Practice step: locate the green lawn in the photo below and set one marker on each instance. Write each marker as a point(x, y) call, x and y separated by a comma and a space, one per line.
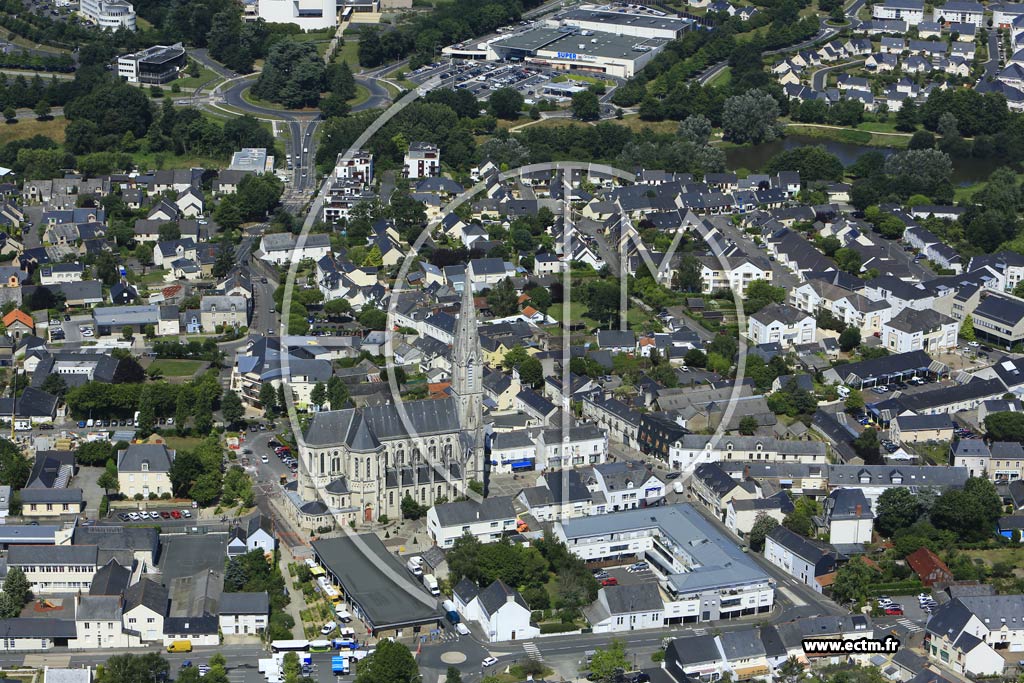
point(193, 82)
point(350, 53)
point(722, 78)
point(562, 78)
point(362, 94)
point(171, 367)
point(183, 443)
point(880, 127)
point(25, 129)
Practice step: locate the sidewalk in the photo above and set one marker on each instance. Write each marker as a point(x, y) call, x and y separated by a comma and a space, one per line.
point(298, 601)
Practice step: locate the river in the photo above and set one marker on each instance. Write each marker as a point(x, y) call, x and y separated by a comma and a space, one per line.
point(754, 157)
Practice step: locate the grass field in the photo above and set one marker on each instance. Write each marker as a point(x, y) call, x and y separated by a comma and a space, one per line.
point(193, 82)
point(990, 557)
point(22, 130)
point(172, 367)
point(850, 135)
point(350, 53)
point(362, 94)
point(182, 443)
point(580, 78)
point(722, 78)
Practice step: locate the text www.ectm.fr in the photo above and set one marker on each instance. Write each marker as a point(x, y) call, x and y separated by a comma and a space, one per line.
point(827, 646)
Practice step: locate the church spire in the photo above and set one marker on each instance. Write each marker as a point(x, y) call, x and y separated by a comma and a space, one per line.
point(467, 381)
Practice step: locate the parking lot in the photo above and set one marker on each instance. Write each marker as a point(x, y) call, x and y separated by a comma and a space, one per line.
point(155, 515)
point(625, 575)
point(72, 328)
point(481, 78)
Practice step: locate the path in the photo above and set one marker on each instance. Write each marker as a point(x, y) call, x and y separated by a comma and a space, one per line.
point(831, 127)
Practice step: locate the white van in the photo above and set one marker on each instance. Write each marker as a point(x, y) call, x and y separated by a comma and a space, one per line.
point(843, 392)
point(462, 629)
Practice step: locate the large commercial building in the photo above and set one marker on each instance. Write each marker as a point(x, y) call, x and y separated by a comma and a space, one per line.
point(308, 14)
point(112, 14)
point(627, 23)
point(567, 49)
point(703, 575)
point(158, 64)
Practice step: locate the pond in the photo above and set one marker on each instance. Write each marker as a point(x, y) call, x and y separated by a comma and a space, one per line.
point(753, 157)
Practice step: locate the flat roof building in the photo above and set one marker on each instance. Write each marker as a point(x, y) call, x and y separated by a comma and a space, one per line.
point(158, 64)
point(627, 24)
point(569, 49)
point(252, 159)
point(377, 585)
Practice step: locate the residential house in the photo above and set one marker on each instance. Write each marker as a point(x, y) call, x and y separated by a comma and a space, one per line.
point(801, 558)
point(487, 520)
point(847, 517)
point(144, 469)
point(500, 610)
point(781, 323)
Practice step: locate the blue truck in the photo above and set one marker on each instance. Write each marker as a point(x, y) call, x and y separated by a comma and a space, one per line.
point(339, 665)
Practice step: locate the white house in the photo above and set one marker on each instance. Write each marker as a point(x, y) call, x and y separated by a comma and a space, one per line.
point(423, 160)
point(799, 557)
point(847, 517)
point(500, 611)
point(733, 272)
point(627, 485)
point(910, 11)
point(912, 330)
point(626, 608)
point(486, 520)
point(741, 513)
point(964, 633)
point(145, 607)
point(243, 614)
point(281, 248)
point(782, 324)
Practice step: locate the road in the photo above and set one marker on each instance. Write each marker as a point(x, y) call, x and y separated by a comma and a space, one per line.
point(994, 50)
point(820, 78)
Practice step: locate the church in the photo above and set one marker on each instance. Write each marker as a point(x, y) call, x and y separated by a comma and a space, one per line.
point(357, 464)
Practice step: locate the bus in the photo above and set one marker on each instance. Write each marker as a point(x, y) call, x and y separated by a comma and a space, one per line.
point(320, 646)
point(289, 645)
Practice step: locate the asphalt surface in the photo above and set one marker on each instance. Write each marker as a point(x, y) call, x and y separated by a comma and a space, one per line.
point(992, 65)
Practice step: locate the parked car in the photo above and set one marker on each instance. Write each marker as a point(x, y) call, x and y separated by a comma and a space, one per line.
point(123, 517)
point(328, 628)
point(264, 458)
point(165, 514)
point(639, 566)
point(673, 475)
point(175, 514)
point(894, 610)
point(489, 661)
point(186, 513)
point(610, 581)
point(134, 516)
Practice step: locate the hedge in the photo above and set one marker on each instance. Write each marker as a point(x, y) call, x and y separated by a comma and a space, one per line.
point(558, 627)
point(900, 587)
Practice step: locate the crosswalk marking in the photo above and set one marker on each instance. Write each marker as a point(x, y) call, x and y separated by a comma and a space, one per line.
point(699, 631)
point(909, 625)
point(533, 652)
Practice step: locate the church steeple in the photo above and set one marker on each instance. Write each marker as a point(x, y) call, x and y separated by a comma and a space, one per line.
point(467, 379)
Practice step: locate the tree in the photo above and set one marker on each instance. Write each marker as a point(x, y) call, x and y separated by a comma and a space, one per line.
point(292, 75)
point(337, 392)
point(16, 593)
point(849, 260)
point(585, 106)
point(849, 339)
point(814, 163)
point(14, 467)
point(502, 299)
point(866, 446)
point(896, 509)
point(54, 384)
point(791, 671)
point(237, 486)
point(695, 129)
point(970, 512)
point(108, 480)
point(759, 294)
point(1005, 426)
point(206, 487)
point(505, 103)
point(799, 521)
point(42, 110)
point(411, 509)
point(319, 395)
point(688, 275)
point(750, 117)
point(268, 399)
point(748, 425)
point(967, 329)
point(231, 408)
point(10, 114)
point(855, 401)
point(606, 663)
point(390, 662)
point(133, 668)
point(94, 453)
point(854, 581)
point(452, 675)
point(531, 372)
point(763, 525)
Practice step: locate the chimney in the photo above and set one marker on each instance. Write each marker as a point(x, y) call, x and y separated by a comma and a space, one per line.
point(858, 509)
point(746, 471)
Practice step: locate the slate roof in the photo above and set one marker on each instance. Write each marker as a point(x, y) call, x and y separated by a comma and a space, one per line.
point(798, 545)
point(245, 603)
point(632, 598)
point(110, 579)
point(466, 590)
point(364, 429)
point(158, 457)
point(148, 593)
point(464, 512)
point(497, 594)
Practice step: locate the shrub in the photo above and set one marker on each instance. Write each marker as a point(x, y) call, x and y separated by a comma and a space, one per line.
point(166, 495)
point(104, 506)
point(383, 519)
point(153, 496)
point(558, 628)
point(138, 496)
